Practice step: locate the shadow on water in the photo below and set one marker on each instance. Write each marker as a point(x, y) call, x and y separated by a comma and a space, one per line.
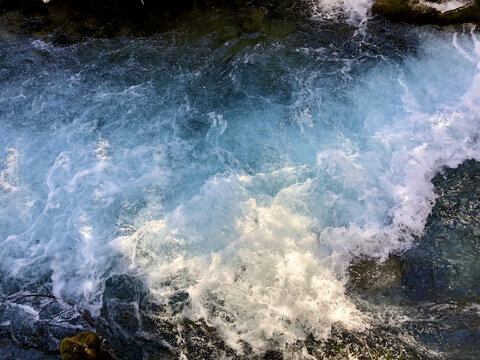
point(69, 21)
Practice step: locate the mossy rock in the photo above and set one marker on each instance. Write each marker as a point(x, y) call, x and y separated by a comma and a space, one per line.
point(84, 346)
point(426, 12)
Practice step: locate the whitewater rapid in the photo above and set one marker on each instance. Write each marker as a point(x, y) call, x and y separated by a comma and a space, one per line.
point(245, 173)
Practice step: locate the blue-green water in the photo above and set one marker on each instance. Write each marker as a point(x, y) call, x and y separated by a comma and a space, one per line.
point(240, 171)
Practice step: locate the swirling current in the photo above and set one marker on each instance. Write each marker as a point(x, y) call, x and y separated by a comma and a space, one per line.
point(228, 181)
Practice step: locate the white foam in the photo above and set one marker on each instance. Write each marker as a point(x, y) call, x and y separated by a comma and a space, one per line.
point(257, 212)
point(355, 12)
point(266, 282)
point(8, 176)
point(274, 268)
point(445, 6)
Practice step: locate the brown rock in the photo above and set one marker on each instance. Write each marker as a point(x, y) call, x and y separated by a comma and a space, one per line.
point(84, 346)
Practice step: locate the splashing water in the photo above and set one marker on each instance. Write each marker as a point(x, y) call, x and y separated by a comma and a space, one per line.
point(355, 12)
point(246, 173)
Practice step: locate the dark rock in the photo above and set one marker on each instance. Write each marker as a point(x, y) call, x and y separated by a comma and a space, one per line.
point(125, 315)
point(444, 263)
point(273, 355)
point(178, 301)
point(426, 12)
point(431, 291)
point(377, 344)
point(200, 341)
point(128, 322)
point(124, 288)
point(9, 350)
point(368, 274)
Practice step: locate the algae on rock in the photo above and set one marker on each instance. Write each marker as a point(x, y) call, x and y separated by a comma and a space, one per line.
point(84, 346)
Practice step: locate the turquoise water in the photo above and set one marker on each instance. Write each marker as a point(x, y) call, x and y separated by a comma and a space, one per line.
point(246, 172)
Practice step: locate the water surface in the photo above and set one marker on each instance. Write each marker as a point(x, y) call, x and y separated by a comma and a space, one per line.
point(235, 171)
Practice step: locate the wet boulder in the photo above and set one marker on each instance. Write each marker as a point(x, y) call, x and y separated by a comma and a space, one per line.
point(124, 288)
point(84, 346)
point(444, 264)
point(438, 12)
point(368, 274)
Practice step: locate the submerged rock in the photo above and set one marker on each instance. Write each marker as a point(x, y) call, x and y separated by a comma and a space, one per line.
point(429, 12)
point(10, 350)
point(376, 344)
point(444, 264)
point(371, 275)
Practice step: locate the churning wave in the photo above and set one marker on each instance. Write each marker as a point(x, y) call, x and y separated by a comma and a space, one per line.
point(244, 173)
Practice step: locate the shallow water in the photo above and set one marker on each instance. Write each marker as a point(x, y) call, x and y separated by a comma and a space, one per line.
point(241, 171)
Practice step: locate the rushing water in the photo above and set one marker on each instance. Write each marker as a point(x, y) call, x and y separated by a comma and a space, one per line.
point(239, 171)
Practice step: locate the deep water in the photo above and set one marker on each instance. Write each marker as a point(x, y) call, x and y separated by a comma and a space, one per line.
point(208, 191)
